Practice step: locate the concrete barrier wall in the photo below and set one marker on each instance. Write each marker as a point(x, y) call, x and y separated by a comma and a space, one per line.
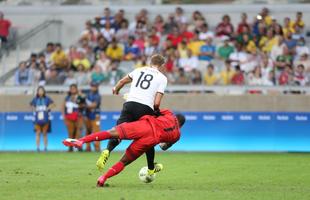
point(185, 102)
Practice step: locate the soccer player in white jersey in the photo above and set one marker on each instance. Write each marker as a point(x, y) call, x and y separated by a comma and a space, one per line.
point(146, 91)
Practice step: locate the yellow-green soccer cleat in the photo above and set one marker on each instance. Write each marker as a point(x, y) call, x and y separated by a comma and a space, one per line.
point(102, 160)
point(158, 167)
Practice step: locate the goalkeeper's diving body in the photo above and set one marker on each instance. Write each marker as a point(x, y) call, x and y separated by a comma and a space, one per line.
point(146, 133)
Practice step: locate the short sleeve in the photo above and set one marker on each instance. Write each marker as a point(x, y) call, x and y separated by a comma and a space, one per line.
point(33, 102)
point(131, 74)
point(162, 85)
point(49, 101)
point(98, 99)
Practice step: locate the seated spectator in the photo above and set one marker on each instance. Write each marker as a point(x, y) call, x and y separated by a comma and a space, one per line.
point(120, 19)
point(33, 61)
point(179, 16)
point(227, 74)
point(132, 51)
point(196, 78)
point(53, 78)
point(104, 62)
point(70, 79)
point(82, 76)
point(97, 75)
point(266, 18)
point(207, 51)
point(210, 77)
point(181, 77)
point(190, 62)
point(185, 33)
point(255, 78)
point(175, 37)
point(238, 77)
point(290, 43)
point(90, 33)
point(108, 31)
point(300, 77)
point(266, 67)
point(40, 76)
point(182, 49)
point(50, 47)
point(205, 33)
point(225, 28)
point(141, 61)
point(277, 49)
point(299, 21)
point(5, 25)
point(107, 17)
point(139, 28)
point(170, 64)
point(305, 61)
point(288, 26)
point(73, 54)
point(140, 41)
point(283, 60)
point(151, 46)
point(198, 21)
point(154, 37)
point(267, 42)
point(159, 24)
point(270, 81)
point(170, 24)
point(122, 34)
point(102, 46)
point(225, 50)
point(239, 57)
point(243, 24)
point(59, 57)
point(22, 75)
point(286, 77)
point(194, 45)
point(115, 74)
point(301, 48)
point(82, 60)
point(114, 51)
point(248, 44)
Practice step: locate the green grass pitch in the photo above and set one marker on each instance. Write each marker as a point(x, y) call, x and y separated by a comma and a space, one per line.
point(227, 176)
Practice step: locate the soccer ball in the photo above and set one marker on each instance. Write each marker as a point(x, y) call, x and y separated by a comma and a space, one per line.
point(144, 177)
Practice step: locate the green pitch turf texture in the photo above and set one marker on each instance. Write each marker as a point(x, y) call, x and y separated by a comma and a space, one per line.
point(227, 176)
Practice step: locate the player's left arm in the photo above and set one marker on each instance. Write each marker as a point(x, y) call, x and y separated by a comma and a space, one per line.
point(121, 83)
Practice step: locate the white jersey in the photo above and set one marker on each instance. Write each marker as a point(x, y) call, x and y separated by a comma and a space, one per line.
point(146, 82)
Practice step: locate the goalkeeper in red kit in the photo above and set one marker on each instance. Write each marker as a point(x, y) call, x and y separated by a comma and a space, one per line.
point(146, 133)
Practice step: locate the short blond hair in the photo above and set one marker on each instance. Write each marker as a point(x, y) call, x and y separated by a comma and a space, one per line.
point(158, 60)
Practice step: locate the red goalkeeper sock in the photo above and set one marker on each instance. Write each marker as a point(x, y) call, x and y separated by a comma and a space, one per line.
point(114, 170)
point(103, 135)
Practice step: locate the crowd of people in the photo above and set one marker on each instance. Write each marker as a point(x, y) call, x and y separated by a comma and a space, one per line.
point(262, 51)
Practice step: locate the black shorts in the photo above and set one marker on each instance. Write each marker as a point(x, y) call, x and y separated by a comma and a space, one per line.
point(132, 111)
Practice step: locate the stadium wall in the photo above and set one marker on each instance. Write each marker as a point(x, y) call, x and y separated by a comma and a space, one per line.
point(214, 123)
point(74, 17)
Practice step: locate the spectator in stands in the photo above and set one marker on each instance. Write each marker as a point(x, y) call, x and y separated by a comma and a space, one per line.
point(132, 51)
point(59, 58)
point(87, 49)
point(41, 105)
point(267, 42)
point(225, 50)
point(5, 25)
point(227, 74)
point(115, 74)
point(140, 28)
point(196, 78)
point(108, 31)
point(114, 51)
point(89, 33)
point(120, 19)
point(238, 77)
point(53, 77)
point(140, 41)
point(151, 46)
point(50, 47)
point(266, 67)
point(181, 77)
point(22, 75)
point(288, 26)
point(266, 18)
point(175, 37)
point(70, 79)
point(286, 77)
point(40, 78)
point(198, 21)
point(301, 48)
point(122, 34)
point(283, 60)
point(207, 51)
point(205, 33)
point(72, 112)
point(271, 79)
point(73, 54)
point(170, 24)
point(299, 21)
point(102, 45)
point(179, 16)
point(82, 76)
point(107, 17)
point(239, 57)
point(97, 75)
point(141, 61)
point(305, 61)
point(195, 44)
point(210, 77)
point(243, 24)
point(33, 61)
point(81, 60)
point(277, 49)
point(185, 33)
point(300, 77)
point(104, 62)
point(225, 27)
point(189, 62)
point(248, 44)
point(159, 24)
point(290, 42)
point(255, 77)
